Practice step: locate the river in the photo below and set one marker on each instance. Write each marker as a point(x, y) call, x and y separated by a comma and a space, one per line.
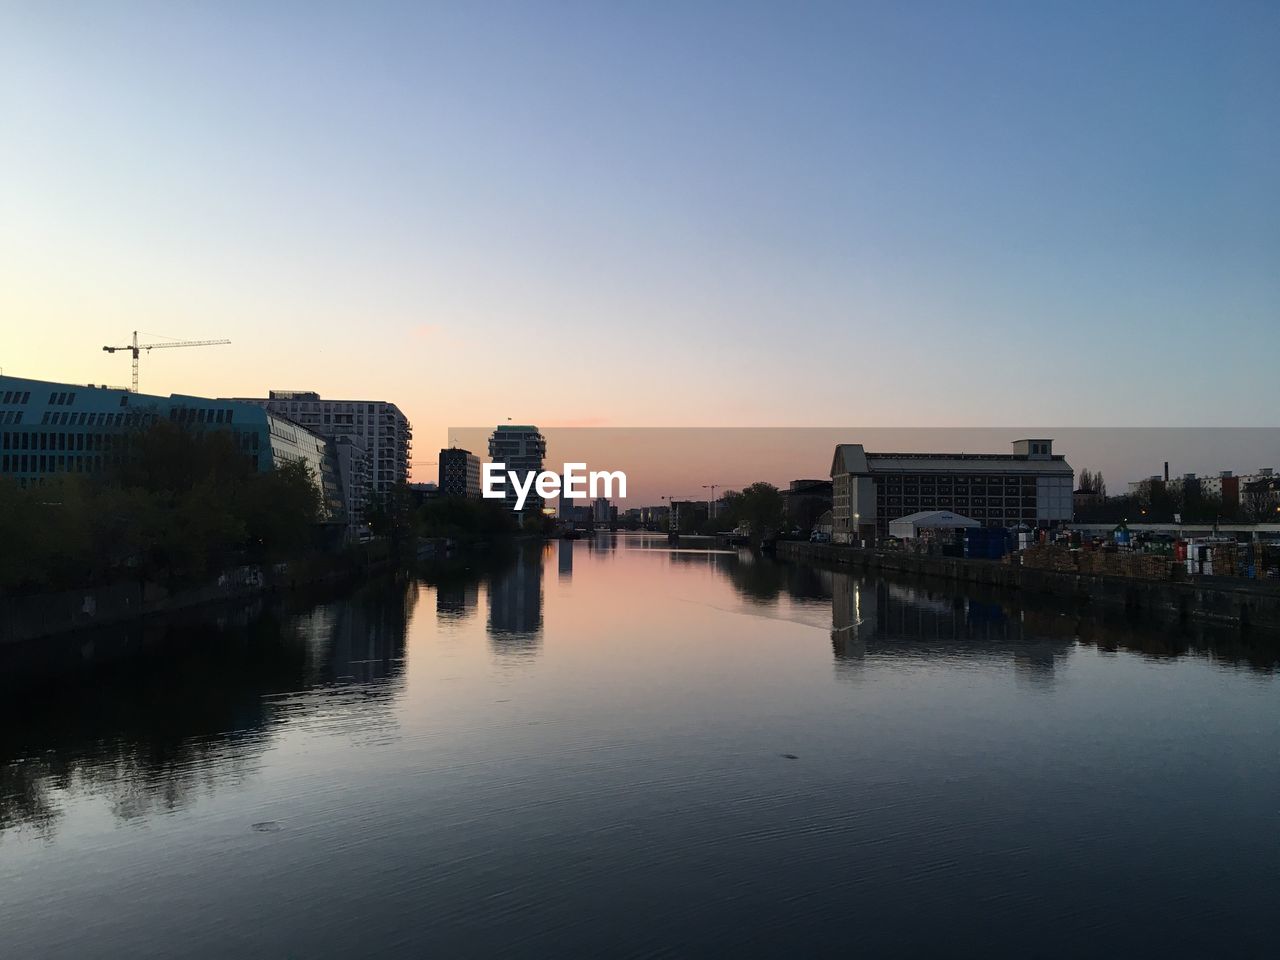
point(610, 748)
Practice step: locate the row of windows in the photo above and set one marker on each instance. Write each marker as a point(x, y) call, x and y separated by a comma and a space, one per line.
point(958, 481)
point(955, 503)
point(16, 396)
point(61, 399)
point(390, 423)
point(42, 440)
point(91, 419)
point(54, 463)
point(201, 415)
point(305, 405)
point(279, 429)
point(11, 416)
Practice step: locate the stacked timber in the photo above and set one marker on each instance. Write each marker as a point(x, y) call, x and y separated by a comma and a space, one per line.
point(1049, 556)
point(1225, 559)
point(1138, 566)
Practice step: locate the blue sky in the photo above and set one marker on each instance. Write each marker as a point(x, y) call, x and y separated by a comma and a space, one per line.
point(893, 214)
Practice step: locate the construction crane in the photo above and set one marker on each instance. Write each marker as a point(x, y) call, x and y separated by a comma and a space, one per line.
point(711, 504)
point(136, 349)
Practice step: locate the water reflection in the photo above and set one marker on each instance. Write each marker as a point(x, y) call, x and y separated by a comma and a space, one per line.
point(515, 603)
point(683, 744)
point(148, 734)
point(457, 598)
point(915, 617)
point(912, 615)
point(887, 618)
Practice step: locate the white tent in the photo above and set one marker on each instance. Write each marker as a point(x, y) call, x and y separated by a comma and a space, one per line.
point(908, 528)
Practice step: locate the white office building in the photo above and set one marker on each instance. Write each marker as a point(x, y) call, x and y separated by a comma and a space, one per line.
point(381, 430)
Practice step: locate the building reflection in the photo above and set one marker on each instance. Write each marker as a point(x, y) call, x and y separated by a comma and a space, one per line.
point(367, 642)
point(757, 578)
point(515, 603)
point(456, 600)
point(764, 579)
point(875, 615)
point(148, 733)
point(564, 559)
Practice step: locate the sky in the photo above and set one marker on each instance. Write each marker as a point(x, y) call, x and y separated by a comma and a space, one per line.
point(653, 214)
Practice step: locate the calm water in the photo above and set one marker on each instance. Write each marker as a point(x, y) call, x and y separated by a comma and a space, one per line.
point(609, 748)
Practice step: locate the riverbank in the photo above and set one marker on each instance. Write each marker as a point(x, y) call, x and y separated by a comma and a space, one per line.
point(35, 616)
point(1247, 604)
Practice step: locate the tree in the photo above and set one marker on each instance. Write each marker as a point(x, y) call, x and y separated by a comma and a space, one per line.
point(1091, 482)
point(280, 510)
point(1263, 504)
point(179, 507)
point(759, 507)
point(466, 520)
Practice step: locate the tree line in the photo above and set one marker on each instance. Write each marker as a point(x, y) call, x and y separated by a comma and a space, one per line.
point(180, 507)
point(1155, 501)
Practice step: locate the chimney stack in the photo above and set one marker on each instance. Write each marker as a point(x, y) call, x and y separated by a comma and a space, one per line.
point(1166, 471)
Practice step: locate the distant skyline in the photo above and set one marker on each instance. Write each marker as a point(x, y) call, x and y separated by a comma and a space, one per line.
point(683, 462)
point(634, 214)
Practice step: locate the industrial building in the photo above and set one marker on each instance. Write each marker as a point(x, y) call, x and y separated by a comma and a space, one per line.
point(459, 473)
point(521, 449)
point(379, 427)
point(49, 430)
point(1031, 486)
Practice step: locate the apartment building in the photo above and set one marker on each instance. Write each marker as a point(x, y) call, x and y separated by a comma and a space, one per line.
point(378, 426)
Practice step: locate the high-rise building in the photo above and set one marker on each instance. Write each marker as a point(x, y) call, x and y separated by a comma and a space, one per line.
point(459, 473)
point(377, 425)
point(48, 430)
point(521, 450)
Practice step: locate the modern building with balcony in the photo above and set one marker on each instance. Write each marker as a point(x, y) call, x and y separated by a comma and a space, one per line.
point(521, 449)
point(1031, 486)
